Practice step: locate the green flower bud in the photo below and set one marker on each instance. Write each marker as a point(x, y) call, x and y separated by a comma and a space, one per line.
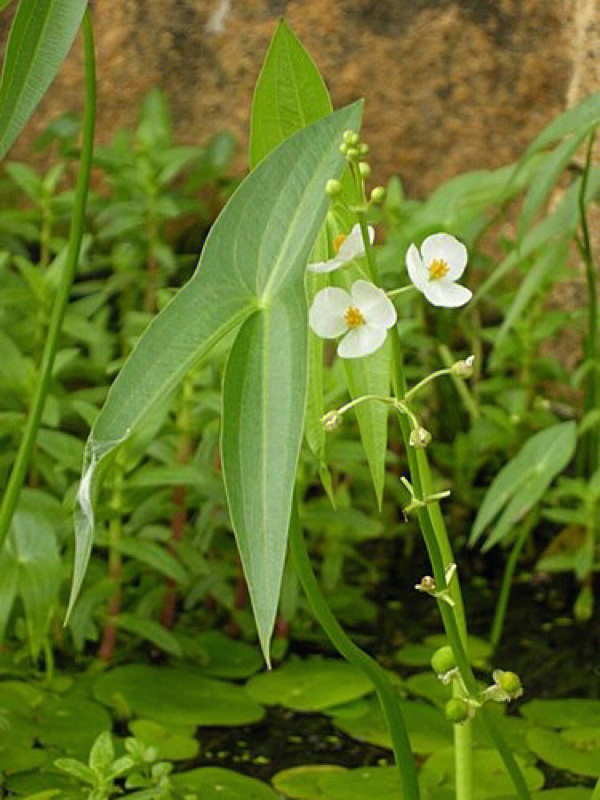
point(331, 420)
point(364, 169)
point(509, 682)
point(457, 710)
point(443, 660)
point(351, 138)
point(352, 153)
point(378, 195)
point(363, 149)
point(333, 187)
point(343, 148)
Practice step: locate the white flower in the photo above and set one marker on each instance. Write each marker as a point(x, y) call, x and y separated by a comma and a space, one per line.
point(346, 249)
point(435, 269)
point(364, 315)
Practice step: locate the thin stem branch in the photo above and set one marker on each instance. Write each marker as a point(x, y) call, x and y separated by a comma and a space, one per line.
point(440, 554)
point(509, 571)
point(21, 464)
point(386, 693)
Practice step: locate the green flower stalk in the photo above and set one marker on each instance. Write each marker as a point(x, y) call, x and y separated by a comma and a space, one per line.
point(19, 470)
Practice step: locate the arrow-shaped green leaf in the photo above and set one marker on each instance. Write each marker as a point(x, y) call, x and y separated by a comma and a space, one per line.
point(252, 272)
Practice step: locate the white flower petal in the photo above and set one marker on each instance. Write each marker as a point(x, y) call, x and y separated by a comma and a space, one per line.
point(353, 245)
point(445, 293)
point(361, 341)
point(446, 248)
point(326, 315)
point(325, 266)
point(417, 271)
point(374, 304)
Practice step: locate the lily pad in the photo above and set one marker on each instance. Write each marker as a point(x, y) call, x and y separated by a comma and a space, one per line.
point(227, 658)
point(570, 713)
point(172, 743)
point(45, 780)
point(513, 729)
point(176, 696)
point(364, 783)
point(16, 757)
point(580, 754)
point(430, 687)
point(302, 783)
point(428, 730)
point(310, 685)
point(214, 783)
point(71, 724)
point(490, 778)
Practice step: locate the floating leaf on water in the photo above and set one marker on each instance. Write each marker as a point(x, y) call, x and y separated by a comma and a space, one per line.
point(214, 783)
point(72, 724)
point(172, 743)
point(228, 658)
point(571, 713)
point(427, 685)
point(364, 783)
point(177, 696)
point(427, 729)
point(580, 755)
point(302, 783)
point(490, 778)
point(17, 757)
point(36, 784)
point(310, 685)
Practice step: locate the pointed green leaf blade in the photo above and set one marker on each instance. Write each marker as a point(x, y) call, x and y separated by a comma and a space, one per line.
point(41, 35)
point(290, 94)
point(523, 481)
point(263, 412)
point(371, 376)
point(256, 252)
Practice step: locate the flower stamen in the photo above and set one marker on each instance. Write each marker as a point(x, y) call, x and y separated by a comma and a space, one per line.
point(438, 269)
point(338, 242)
point(353, 317)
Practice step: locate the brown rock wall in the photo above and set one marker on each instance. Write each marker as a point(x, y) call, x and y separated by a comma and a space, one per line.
point(450, 84)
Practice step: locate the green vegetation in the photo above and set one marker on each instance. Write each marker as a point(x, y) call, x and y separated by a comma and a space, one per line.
point(198, 480)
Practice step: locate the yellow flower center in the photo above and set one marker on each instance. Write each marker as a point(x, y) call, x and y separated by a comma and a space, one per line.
point(438, 269)
point(338, 242)
point(353, 317)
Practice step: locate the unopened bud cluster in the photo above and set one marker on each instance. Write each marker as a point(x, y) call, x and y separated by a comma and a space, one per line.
point(356, 152)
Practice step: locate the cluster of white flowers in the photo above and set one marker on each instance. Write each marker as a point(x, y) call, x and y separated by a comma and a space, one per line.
point(363, 315)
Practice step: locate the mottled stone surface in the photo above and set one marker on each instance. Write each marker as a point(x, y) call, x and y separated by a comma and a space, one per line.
point(450, 84)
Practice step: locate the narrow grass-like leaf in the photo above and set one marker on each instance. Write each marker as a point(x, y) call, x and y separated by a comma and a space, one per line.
point(561, 224)
point(546, 178)
point(584, 115)
point(545, 266)
point(522, 482)
point(41, 35)
point(290, 94)
point(251, 269)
